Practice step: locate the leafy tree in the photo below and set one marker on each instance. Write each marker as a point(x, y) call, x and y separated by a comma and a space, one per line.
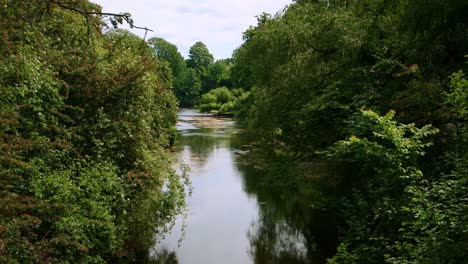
point(168, 52)
point(188, 88)
point(302, 56)
point(217, 76)
point(422, 221)
point(87, 117)
point(387, 154)
point(200, 58)
point(241, 73)
point(311, 68)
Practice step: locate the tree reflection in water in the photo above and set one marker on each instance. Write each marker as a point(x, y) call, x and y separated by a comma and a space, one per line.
point(296, 223)
point(250, 206)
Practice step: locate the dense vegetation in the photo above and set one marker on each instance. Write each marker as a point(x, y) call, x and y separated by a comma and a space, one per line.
point(87, 115)
point(223, 101)
point(381, 85)
point(197, 75)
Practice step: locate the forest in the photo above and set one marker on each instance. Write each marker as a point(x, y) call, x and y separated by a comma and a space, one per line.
point(88, 115)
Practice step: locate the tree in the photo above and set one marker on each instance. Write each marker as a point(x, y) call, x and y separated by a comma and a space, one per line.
point(217, 76)
point(167, 51)
point(302, 55)
point(188, 88)
point(87, 117)
point(200, 58)
point(312, 68)
point(241, 73)
point(385, 154)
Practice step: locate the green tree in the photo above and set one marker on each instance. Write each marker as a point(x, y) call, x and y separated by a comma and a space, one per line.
point(200, 58)
point(241, 73)
point(168, 52)
point(311, 68)
point(87, 118)
point(303, 56)
point(188, 88)
point(386, 155)
point(457, 97)
point(217, 76)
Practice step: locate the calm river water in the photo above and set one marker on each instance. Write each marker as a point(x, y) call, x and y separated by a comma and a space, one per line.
point(246, 208)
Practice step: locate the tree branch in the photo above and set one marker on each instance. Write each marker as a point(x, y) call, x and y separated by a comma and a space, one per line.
point(86, 14)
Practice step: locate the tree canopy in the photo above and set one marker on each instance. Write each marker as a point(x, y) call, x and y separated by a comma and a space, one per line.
point(87, 117)
point(166, 51)
point(379, 85)
point(200, 58)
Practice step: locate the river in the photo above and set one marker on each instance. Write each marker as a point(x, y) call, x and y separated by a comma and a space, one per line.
point(246, 208)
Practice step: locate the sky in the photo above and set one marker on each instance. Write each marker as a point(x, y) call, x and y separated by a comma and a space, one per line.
point(217, 23)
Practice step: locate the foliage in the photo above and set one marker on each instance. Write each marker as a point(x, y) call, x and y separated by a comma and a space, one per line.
point(296, 59)
point(168, 52)
point(402, 215)
point(200, 58)
point(333, 59)
point(223, 101)
point(87, 117)
point(195, 76)
point(85, 201)
point(458, 94)
point(188, 88)
point(387, 154)
point(220, 100)
point(309, 71)
point(217, 76)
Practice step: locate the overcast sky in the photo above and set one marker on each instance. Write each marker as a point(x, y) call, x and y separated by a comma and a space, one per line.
point(217, 23)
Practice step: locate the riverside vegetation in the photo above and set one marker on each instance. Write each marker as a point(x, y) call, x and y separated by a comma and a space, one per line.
point(87, 115)
point(379, 85)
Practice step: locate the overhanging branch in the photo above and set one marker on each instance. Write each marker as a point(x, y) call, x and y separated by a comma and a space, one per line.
point(119, 17)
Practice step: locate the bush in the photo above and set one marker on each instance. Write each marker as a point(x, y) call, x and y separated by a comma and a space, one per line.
point(220, 100)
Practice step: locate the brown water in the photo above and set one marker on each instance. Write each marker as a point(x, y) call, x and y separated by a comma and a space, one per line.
point(245, 207)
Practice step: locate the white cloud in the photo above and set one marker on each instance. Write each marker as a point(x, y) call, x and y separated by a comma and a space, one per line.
point(217, 23)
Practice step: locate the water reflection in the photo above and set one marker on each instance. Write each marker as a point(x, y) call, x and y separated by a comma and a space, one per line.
point(247, 207)
point(294, 225)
